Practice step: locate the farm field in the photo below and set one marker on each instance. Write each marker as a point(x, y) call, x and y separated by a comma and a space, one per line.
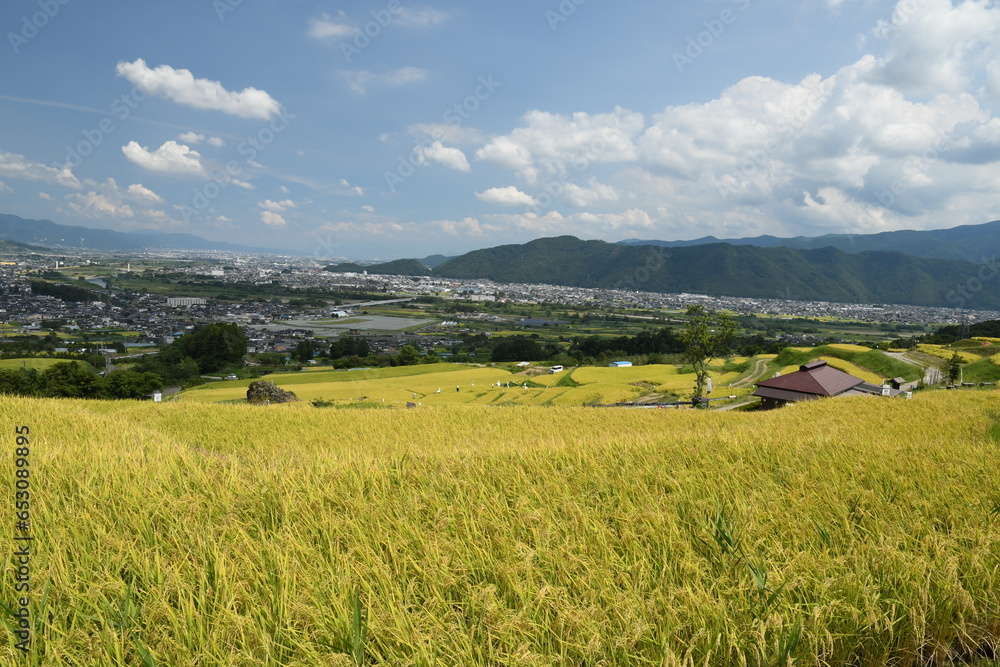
point(37, 363)
point(574, 386)
point(843, 531)
point(470, 384)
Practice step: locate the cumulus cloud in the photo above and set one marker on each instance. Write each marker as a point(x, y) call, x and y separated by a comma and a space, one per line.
point(450, 157)
point(276, 206)
point(217, 142)
point(272, 219)
point(170, 158)
point(107, 200)
point(13, 165)
point(96, 205)
point(144, 194)
point(180, 86)
point(902, 140)
point(191, 137)
point(507, 196)
point(552, 143)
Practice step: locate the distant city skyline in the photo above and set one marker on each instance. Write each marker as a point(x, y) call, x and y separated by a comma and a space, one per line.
point(389, 129)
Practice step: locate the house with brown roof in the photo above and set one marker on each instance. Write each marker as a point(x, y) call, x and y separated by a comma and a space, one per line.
point(813, 380)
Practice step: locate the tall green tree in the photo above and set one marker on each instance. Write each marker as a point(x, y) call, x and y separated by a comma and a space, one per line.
point(954, 368)
point(705, 338)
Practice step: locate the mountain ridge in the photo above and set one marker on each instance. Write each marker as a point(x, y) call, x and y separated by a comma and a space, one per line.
point(970, 243)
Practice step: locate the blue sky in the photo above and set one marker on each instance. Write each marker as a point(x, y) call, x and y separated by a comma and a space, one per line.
point(393, 129)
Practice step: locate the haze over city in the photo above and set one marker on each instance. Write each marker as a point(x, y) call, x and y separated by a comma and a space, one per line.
point(394, 129)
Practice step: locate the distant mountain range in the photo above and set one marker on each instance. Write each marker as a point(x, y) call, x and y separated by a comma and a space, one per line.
point(51, 234)
point(971, 243)
point(949, 267)
point(721, 269)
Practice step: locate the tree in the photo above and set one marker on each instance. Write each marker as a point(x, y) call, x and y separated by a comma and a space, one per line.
point(702, 343)
point(408, 356)
point(954, 368)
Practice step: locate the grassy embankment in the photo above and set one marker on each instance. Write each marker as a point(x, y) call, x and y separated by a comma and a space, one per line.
point(848, 531)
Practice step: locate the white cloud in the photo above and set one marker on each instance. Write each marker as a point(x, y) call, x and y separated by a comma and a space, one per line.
point(450, 157)
point(170, 158)
point(360, 81)
point(107, 200)
point(95, 205)
point(351, 189)
point(423, 17)
point(45, 195)
point(191, 137)
point(869, 148)
point(324, 27)
point(936, 47)
point(243, 184)
point(13, 165)
point(368, 209)
point(507, 196)
point(144, 194)
point(276, 206)
point(217, 142)
point(552, 143)
point(283, 190)
point(272, 219)
point(180, 86)
point(6, 188)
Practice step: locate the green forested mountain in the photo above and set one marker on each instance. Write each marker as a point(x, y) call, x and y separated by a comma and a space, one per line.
point(824, 274)
point(966, 242)
point(397, 267)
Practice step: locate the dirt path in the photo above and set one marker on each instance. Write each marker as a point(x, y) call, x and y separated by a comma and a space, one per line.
point(758, 369)
point(932, 374)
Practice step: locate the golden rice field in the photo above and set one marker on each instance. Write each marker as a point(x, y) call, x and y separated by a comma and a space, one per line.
point(855, 531)
point(946, 353)
point(469, 384)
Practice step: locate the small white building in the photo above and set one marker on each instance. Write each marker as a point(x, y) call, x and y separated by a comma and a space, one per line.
point(620, 364)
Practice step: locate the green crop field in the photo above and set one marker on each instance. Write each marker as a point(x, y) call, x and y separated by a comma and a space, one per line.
point(31, 362)
point(854, 531)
